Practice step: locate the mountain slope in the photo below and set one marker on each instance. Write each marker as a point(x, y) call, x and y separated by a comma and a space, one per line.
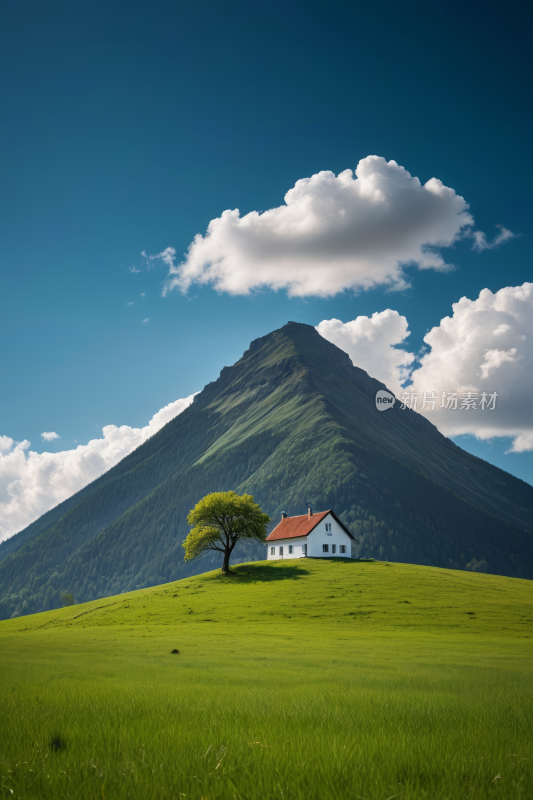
point(293, 420)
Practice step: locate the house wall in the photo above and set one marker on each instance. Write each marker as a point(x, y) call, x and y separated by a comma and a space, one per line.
point(315, 541)
point(319, 536)
point(297, 549)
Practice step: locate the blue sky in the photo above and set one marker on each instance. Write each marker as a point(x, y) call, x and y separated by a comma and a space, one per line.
point(131, 125)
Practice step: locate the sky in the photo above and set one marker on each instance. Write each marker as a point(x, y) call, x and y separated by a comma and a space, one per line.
point(180, 178)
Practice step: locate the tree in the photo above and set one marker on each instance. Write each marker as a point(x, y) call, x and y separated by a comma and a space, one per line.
point(220, 520)
point(68, 599)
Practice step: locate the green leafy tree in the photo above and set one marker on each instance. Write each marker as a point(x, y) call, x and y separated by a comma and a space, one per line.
point(68, 599)
point(222, 519)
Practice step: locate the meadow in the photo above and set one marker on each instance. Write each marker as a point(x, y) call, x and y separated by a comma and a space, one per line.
point(294, 679)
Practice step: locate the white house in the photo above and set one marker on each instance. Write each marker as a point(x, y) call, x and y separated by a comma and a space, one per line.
point(320, 535)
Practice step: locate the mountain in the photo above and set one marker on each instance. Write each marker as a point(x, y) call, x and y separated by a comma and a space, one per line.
point(293, 420)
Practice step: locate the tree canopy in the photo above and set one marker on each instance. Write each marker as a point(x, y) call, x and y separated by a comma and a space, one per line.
point(220, 520)
point(68, 599)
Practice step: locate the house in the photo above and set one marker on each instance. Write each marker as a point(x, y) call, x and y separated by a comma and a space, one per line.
point(319, 535)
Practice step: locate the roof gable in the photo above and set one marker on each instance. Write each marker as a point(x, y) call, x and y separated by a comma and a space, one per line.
point(294, 527)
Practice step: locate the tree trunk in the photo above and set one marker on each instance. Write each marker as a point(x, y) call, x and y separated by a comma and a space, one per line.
point(225, 565)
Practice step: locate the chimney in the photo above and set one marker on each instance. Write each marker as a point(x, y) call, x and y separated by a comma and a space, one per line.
point(309, 511)
point(283, 515)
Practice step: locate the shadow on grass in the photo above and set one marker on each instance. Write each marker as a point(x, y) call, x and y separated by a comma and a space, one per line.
point(279, 570)
point(285, 570)
point(249, 573)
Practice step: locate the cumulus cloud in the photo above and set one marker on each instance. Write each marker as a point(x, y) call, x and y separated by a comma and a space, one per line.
point(370, 343)
point(47, 437)
point(129, 304)
point(134, 269)
point(146, 320)
point(6, 444)
point(32, 483)
point(481, 243)
point(486, 345)
point(522, 443)
point(333, 233)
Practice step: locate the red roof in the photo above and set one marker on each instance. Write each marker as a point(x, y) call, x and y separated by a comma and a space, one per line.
point(292, 527)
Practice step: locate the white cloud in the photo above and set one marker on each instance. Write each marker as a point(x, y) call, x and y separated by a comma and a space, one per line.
point(146, 320)
point(47, 437)
point(6, 444)
point(134, 270)
point(333, 233)
point(481, 243)
point(486, 345)
point(166, 256)
point(143, 294)
point(369, 341)
point(129, 304)
point(522, 443)
point(32, 483)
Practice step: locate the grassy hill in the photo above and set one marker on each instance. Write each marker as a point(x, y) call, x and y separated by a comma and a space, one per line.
point(293, 420)
point(364, 594)
point(299, 679)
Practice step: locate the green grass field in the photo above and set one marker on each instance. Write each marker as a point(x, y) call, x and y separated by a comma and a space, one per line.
point(294, 679)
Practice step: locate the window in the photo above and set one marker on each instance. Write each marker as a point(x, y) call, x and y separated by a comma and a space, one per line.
point(304, 549)
point(281, 551)
point(325, 548)
point(333, 548)
point(290, 549)
point(272, 551)
point(328, 527)
point(342, 548)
